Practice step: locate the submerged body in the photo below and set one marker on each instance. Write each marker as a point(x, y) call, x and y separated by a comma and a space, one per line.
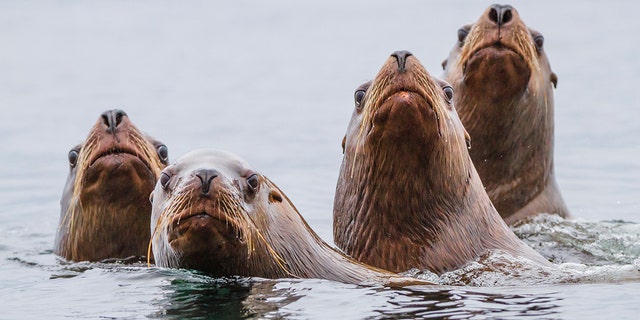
point(212, 212)
point(105, 208)
point(408, 195)
point(504, 95)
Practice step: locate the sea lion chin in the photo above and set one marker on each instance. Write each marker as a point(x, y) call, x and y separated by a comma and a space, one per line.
point(408, 195)
point(504, 95)
point(104, 207)
point(213, 213)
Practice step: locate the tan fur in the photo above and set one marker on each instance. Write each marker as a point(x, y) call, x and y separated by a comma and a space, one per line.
point(94, 226)
point(408, 195)
point(504, 95)
point(264, 234)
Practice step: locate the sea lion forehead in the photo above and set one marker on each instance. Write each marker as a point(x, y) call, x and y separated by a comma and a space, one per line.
point(224, 162)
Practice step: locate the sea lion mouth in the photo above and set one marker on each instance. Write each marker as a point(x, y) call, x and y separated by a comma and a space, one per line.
point(411, 100)
point(120, 152)
point(202, 224)
point(402, 91)
point(496, 50)
point(497, 71)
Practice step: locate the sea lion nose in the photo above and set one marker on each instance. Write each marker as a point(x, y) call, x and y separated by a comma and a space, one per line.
point(401, 58)
point(113, 118)
point(500, 14)
point(206, 176)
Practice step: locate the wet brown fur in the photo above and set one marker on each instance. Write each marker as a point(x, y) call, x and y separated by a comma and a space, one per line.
point(105, 211)
point(408, 195)
point(504, 95)
point(232, 231)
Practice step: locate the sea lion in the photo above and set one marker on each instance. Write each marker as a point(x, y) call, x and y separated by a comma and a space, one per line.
point(504, 95)
point(105, 208)
point(213, 213)
point(408, 195)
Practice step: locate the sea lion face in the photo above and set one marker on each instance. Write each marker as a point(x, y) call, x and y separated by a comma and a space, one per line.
point(208, 209)
point(402, 108)
point(499, 57)
point(116, 159)
point(103, 203)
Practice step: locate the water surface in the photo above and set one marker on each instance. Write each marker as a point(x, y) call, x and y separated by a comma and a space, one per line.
point(273, 82)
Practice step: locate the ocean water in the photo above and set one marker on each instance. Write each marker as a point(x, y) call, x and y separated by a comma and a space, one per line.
point(273, 82)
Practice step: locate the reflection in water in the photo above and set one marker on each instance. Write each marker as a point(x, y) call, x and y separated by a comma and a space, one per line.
point(459, 304)
point(199, 297)
point(224, 298)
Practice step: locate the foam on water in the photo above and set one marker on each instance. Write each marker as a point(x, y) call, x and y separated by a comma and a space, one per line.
point(581, 241)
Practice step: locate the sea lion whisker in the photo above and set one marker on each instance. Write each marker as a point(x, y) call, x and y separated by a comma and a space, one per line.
point(145, 150)
point(280, 262)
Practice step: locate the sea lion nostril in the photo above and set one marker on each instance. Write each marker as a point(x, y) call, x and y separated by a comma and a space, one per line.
point(206, 176)
point(506, 15)
point(113, 118)
point(401, 58)
point(500, 14)
point(118, 115)
point(493, 15)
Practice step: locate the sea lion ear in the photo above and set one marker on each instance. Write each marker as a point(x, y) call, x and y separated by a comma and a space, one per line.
point(467, 139)
point(444, 64)
point(275, 196)
point(554, 80)
point(344, 141)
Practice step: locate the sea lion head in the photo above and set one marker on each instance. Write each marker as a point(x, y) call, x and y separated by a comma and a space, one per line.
point(405, 169)
point(104, 209)
point(504, 95)
point(402, 108)
point(500, 58)
point(212, 212)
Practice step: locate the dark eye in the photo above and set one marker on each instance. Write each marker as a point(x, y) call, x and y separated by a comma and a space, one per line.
point(462, 34)
point(253, 182)
point(164, 180)
point(358, 96)
point(539, 40)
point(163, 153)
point(448, 93)
point(73, 158)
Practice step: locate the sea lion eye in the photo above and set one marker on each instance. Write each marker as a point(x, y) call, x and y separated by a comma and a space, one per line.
point(462, 34)
point(163, 153)
point(358, 96)
point(539, 40)
point(253, 182)
point(164, 180)
point(448, 93)
point(73, 158)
